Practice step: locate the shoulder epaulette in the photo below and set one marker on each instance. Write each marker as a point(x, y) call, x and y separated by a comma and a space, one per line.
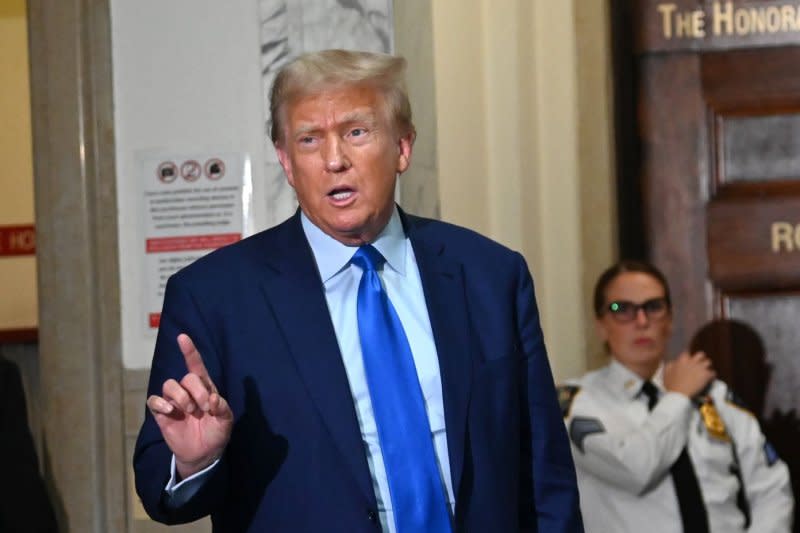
point(734, 399)
point(581, 427)
point(566, 393)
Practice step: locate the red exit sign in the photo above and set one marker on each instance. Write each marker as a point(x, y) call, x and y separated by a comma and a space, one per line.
point(17, 240)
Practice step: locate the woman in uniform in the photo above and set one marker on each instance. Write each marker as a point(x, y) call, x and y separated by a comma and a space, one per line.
point(660, 446)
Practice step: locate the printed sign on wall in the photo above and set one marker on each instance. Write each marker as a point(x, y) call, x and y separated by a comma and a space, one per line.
point(193, 204)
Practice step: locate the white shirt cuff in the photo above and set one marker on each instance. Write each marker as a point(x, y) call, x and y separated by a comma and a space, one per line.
point(181, 492)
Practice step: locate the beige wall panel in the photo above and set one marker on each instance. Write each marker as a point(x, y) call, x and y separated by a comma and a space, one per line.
point(524, 134)
point(596, 161)
point(460, 112)
point(17, 274)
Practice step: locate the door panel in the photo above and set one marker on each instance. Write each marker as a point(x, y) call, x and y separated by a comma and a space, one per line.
point(760, 148)
point(774, 317)
point(719, 135)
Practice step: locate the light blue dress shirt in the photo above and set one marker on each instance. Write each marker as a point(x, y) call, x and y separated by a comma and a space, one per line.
point(400, 276)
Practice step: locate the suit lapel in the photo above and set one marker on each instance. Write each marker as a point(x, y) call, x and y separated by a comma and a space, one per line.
point(295, 292)
point(443, 284)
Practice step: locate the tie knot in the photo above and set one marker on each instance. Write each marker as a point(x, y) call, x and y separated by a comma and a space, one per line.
point(651, 391)
point(368, 258)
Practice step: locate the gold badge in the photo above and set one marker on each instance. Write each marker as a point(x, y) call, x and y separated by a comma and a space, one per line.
point(713, 422)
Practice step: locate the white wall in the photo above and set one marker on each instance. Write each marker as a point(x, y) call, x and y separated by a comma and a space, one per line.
point(186, 78)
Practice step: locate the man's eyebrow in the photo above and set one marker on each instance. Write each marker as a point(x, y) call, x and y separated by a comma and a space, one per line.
point(356, 115)
point(304, 129)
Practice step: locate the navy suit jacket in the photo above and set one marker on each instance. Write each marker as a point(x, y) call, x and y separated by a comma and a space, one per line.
point(296, 462)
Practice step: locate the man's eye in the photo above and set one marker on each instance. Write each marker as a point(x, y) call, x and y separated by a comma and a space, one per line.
point(306, 140)
point(358, 132)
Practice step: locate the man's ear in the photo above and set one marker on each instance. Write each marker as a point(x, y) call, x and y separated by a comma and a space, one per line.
point(405, 146)
point(286, 162)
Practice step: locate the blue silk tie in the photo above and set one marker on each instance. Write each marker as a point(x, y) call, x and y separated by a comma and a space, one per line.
point(414, 483)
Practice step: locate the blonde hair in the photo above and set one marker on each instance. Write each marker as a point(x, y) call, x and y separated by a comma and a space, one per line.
point(316, 72)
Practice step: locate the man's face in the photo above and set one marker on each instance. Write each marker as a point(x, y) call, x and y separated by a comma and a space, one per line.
point(641, 343)
point(342, 155)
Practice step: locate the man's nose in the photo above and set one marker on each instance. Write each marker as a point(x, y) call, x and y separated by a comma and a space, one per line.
point(335, 155)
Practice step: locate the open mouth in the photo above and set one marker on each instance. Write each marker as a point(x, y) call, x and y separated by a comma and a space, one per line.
point(341, 194)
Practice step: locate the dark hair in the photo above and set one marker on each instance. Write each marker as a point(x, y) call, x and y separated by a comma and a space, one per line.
point(626, 265)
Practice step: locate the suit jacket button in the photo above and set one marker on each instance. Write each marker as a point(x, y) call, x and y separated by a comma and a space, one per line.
point(372, 516)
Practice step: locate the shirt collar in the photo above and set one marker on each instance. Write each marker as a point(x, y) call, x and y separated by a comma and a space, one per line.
point(332, 256)
point(628, 382)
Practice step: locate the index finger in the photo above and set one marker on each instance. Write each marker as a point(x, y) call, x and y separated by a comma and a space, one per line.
point(194, 361)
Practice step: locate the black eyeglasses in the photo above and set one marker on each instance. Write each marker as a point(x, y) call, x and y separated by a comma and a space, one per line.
point(625, 311)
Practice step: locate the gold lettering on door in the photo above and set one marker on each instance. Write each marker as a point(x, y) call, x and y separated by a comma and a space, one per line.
point(687, 24)
point(785, 237)
point(728, 18)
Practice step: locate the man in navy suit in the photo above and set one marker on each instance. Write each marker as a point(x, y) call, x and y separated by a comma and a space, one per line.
point(272, 428)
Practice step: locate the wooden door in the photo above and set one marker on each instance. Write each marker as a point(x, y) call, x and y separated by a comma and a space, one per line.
point(718, 120)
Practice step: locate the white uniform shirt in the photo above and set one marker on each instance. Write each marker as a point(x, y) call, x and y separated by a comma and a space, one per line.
point(623, 454)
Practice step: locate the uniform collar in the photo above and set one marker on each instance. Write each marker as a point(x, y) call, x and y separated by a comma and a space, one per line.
point(629, 383)
point(332, 256)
